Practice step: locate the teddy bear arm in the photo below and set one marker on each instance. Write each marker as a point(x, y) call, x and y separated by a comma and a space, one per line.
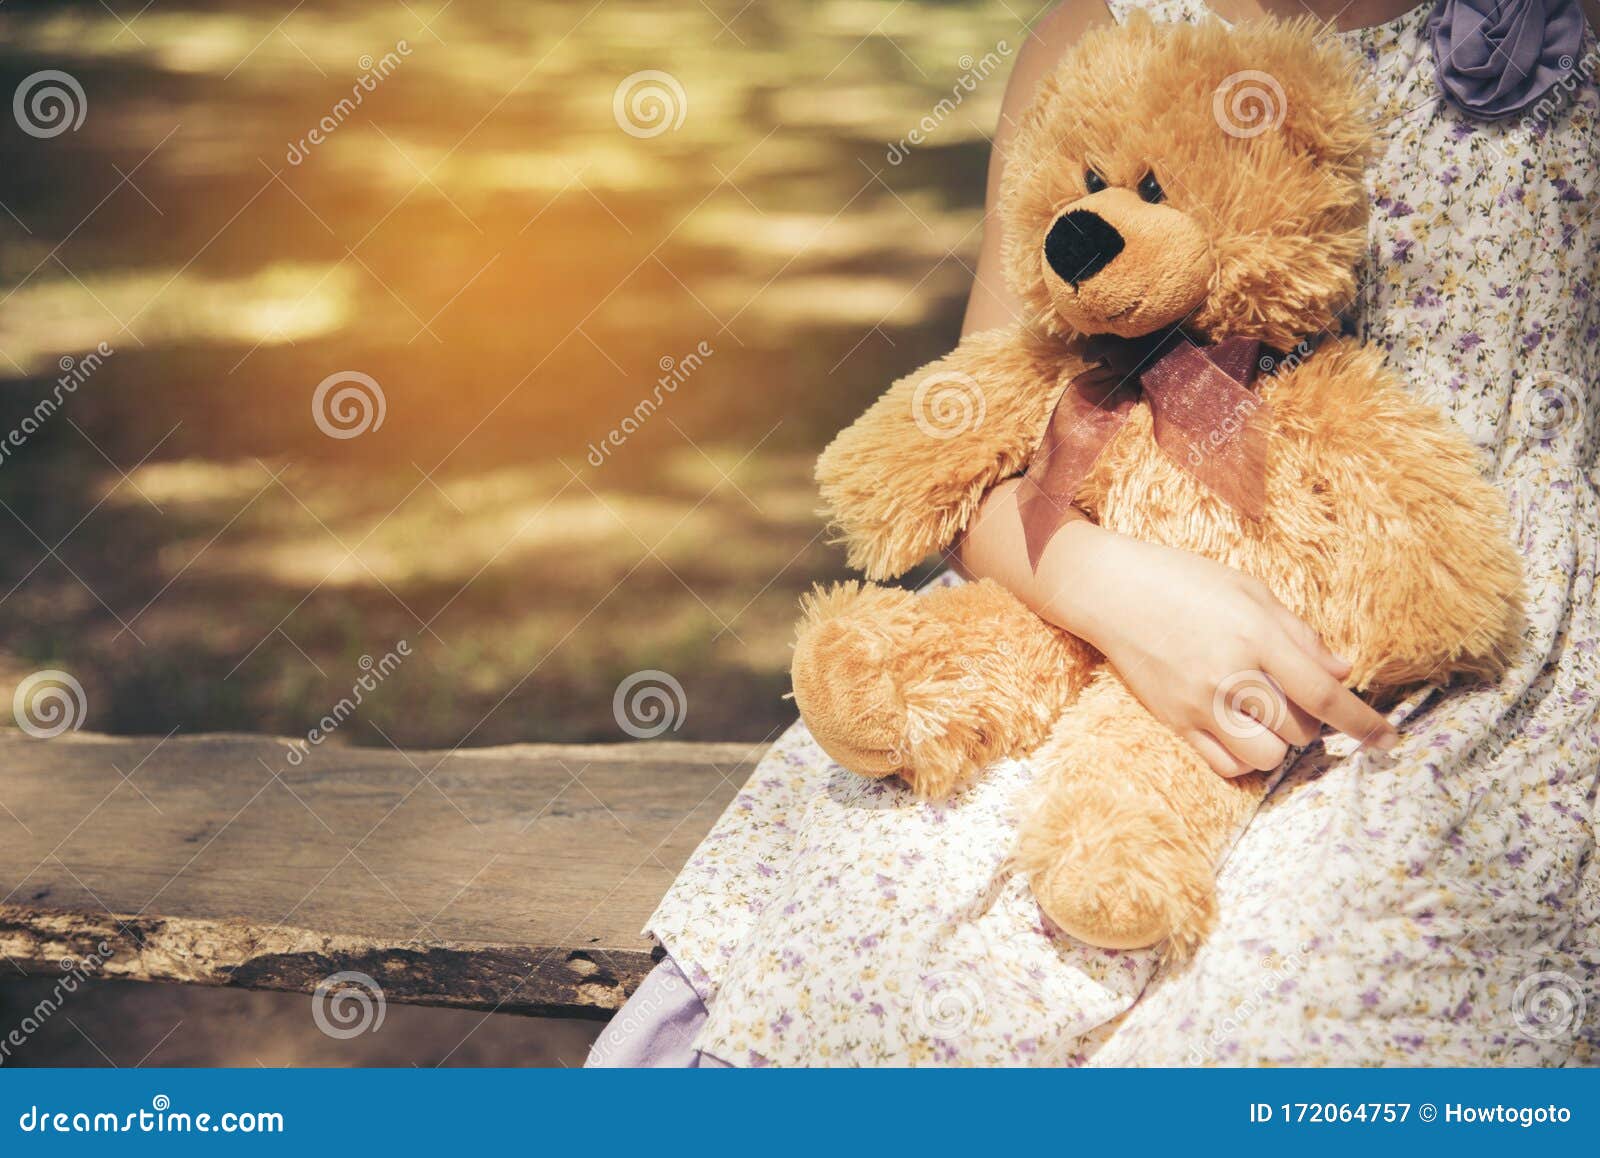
point(932, 687)
point(903, 480)
point(1426, 583)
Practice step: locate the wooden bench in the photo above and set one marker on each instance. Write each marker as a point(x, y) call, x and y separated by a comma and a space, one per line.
point(513, 879)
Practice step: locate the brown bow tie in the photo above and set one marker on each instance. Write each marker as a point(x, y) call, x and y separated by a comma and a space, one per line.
point(1205, 416)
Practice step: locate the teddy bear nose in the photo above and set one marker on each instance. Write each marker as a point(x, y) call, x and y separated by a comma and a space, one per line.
point(1080, 244)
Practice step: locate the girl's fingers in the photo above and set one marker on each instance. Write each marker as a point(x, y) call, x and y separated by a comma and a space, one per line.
point(1311, 643)
point(1297, 726)
point(1249, 710)
point(1251, 743)
point(1222, 761)
point(1308, 684)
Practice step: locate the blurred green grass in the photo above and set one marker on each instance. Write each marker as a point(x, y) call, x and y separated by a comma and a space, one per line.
point(482, 239)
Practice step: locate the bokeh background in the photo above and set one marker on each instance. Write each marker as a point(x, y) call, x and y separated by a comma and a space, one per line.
point(536, 212)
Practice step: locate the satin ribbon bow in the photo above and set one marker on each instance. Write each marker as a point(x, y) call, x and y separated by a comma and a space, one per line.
point(1206, 419)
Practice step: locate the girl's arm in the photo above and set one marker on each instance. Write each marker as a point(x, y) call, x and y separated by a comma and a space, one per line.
point(1174, 625)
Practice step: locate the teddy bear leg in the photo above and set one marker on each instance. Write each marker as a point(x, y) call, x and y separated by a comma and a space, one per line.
point(930, 687)
point(1123, 840)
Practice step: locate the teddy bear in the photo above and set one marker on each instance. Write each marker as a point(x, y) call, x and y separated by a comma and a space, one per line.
point(1184, 212)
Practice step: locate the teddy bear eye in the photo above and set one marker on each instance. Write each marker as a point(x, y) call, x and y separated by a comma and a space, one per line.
point(1150, 189)
point(1092, 181)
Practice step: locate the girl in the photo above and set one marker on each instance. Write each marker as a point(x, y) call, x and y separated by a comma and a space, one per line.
point(1431, 899)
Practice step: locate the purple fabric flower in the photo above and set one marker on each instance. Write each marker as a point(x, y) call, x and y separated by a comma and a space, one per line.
point(1496, 58)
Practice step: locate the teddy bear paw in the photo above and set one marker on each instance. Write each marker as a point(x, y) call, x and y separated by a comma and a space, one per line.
point(842, 681)
point(884, 682)
point(1116, 870)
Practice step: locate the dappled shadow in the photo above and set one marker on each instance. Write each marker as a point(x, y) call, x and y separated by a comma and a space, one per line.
point(517, 272)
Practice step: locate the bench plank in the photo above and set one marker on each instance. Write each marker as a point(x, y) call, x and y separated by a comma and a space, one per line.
point(513, 878)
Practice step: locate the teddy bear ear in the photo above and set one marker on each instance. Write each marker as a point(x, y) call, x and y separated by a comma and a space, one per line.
point(1296, 79)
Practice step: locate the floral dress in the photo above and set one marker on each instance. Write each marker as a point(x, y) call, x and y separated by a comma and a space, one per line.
point(1440, 906)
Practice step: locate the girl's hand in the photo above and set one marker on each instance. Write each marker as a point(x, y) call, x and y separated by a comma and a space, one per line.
point(1208, 650)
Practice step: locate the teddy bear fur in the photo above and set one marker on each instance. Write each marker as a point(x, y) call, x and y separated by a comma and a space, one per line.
point(1378, 530)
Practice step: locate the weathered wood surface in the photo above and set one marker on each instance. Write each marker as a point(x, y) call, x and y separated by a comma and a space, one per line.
point(511, 878)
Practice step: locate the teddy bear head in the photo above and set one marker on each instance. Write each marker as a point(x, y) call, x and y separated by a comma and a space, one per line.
point(1191, 175)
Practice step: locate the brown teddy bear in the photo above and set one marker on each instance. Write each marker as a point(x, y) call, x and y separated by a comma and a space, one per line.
point(1182, 203)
